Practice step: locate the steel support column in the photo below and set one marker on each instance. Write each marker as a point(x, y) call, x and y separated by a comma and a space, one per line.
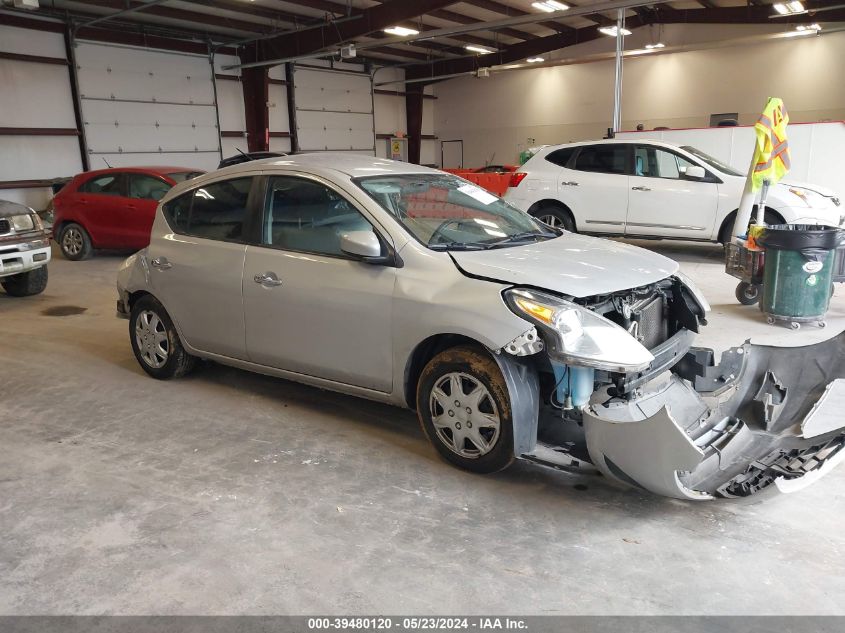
point(256, 88)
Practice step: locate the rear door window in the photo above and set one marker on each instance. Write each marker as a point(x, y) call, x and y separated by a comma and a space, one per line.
point(104, 185)
point(604, 159)
point(144, 187)
point(561, 157)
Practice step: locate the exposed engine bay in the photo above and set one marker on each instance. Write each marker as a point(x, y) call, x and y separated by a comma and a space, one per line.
point(683, 425)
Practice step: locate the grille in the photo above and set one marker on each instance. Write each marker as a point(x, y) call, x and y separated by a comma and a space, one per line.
point(5, 227)
point(652, 328)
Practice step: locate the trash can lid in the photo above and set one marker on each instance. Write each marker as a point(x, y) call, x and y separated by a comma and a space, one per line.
point(797, 237)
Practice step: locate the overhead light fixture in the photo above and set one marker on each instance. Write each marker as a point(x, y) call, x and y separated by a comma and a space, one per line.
point(535, 60)
point(481, 50)
point(612, 32)
point(789, 8)
point(550, 6)
point(655, 45)
point(808, 28)
point(401, 31)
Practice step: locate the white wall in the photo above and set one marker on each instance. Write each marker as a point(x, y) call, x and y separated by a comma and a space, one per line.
point(35, 95)
point(497, 117)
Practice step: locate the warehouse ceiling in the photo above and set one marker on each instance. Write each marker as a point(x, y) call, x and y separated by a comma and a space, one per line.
point(275, 29)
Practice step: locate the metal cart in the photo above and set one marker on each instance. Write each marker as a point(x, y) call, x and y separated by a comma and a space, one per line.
point(746, 265)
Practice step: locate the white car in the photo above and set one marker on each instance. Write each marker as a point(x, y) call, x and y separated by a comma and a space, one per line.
point(652, 189)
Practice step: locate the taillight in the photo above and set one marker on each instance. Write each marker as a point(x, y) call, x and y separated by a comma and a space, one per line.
point(516, 178)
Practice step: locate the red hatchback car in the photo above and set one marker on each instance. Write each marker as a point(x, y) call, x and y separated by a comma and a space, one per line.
point(111, 208)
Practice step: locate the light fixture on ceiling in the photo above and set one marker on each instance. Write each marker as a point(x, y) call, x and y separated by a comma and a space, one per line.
point(612, 32)
point(481, 50)
point(535, 60)
point(651, 47)
point(550, 6)
point(808, 28)
point(789, 8)
point(401, 31)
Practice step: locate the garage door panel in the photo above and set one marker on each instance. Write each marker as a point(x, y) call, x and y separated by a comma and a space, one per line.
point(340, 92)
point(37, 157)
point(114, 72)
point(147, 106)
point(231, 105)
point(203, 161)
point(329, 130)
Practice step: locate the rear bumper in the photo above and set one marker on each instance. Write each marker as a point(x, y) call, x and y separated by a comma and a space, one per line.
point(764, 419)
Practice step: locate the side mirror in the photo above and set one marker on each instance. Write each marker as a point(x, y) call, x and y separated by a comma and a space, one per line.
point(364, 245)
point(694, 172)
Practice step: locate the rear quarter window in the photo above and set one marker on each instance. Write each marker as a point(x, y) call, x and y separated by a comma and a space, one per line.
point(178, 211)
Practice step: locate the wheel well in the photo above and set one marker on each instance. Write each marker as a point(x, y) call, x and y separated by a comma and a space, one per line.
point(731, 217)
point(423, 353)
point(134, 297)
point(538, 206)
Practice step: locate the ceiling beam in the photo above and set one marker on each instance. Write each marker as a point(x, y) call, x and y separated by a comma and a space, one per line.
point(374, 19)
point(460, 18)
point(514, 53)
point(193, 17)
point(757, 14)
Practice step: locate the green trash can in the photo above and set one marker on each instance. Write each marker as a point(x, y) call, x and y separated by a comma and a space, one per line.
point(797, 278)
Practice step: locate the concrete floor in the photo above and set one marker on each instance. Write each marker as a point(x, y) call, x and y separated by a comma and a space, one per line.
point(232, 493)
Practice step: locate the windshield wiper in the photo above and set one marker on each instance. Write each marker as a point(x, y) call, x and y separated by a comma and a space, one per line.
point(460, 246)
point(520, 237)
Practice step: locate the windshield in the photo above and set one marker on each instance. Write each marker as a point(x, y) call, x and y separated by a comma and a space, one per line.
point(445, 212)
point(182, 176)
point(715, 163)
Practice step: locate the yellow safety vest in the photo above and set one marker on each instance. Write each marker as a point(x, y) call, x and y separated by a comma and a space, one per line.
point(771, 155)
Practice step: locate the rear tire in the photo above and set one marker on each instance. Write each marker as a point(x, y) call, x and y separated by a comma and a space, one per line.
point(555, 216)
point(74, 242)
point(156, 342)
point(464, 410)
point(725, 234)
point(26, 284)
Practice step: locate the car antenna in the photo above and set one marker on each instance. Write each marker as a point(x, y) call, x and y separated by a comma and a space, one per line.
point(106, 162)
point(241, 152)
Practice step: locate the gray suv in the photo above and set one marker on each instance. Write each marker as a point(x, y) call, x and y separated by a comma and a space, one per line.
point(24, 250)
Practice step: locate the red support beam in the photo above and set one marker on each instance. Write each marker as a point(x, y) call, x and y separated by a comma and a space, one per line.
point(256, 85)
point(414, 116)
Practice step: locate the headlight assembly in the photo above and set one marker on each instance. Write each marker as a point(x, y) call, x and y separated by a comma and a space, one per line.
point(578, 336)
point(22, 223)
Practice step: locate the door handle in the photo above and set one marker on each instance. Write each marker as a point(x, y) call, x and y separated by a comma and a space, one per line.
point(640, 189)
point(570, 183)
point(268, 280)
point(160, 263)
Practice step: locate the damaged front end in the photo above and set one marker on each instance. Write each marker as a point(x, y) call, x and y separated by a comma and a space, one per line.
point(622, 390)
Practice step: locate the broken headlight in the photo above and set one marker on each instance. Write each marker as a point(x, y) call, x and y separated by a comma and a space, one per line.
point(578, 336)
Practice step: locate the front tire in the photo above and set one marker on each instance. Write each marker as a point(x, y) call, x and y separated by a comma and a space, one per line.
point(156, 342)
point(465, 411)
point(75, 242)
point(26, 284)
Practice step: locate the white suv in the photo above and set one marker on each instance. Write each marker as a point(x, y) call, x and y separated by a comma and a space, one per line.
point(652, 189)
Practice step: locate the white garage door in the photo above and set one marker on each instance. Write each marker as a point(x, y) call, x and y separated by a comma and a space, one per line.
point(143, 107)
point(334, 110)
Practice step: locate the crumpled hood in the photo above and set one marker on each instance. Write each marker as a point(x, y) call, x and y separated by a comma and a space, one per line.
point(572, 264)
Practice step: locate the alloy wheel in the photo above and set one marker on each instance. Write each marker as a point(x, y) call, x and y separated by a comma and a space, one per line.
point(551, 220)
point(464, 415)
point(72, 241)
point(151, 339)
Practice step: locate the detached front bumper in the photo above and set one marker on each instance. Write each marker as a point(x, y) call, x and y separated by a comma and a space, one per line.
point(764, 418)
